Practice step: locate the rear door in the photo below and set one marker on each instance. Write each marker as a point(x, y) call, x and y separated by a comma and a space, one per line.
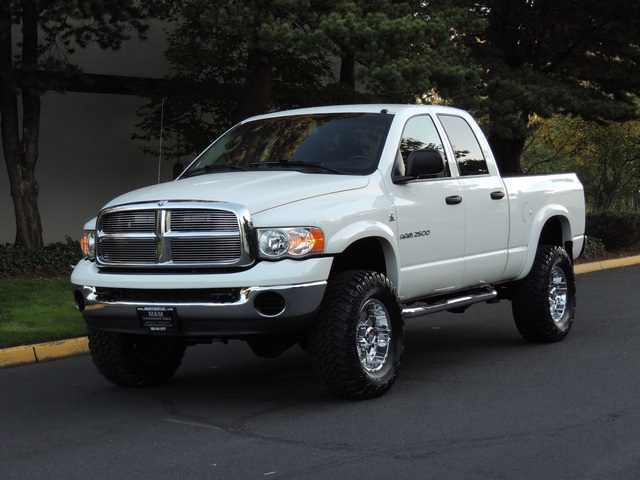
point(486, 208)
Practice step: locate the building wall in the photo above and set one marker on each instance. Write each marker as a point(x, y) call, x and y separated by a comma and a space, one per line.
point(87, 156)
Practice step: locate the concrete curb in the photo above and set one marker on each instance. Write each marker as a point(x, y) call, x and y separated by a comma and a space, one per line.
point(78, 346)
point(43, 351)
point(605, 264)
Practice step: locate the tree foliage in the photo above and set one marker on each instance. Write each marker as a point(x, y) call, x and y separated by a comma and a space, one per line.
point(578, 57)
point(504, 60)
point(37, 38)
point(606, 157)
point(232, 59)
point(227, 59)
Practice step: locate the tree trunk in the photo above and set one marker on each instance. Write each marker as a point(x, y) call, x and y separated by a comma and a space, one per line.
point(259, 79)
point(20, 158)
point(348, 70)
point(507, 152)
point(24, 187)
point(21, 154)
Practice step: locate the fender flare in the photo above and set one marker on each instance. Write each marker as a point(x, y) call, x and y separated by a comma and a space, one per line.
point(539, 222)
point(367, 229)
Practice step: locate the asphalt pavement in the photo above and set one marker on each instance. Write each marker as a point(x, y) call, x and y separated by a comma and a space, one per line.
point(473, 401)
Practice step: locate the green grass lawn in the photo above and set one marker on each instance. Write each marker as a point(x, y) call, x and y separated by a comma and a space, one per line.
point(34, 310)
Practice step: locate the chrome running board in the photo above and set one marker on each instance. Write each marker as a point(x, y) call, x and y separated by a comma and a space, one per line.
point(424, 308)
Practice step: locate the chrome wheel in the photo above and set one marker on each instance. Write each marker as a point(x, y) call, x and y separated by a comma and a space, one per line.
point(557, 294)
point(373, 336)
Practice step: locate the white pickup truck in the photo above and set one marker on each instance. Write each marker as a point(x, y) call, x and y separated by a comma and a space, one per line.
point(328, 228)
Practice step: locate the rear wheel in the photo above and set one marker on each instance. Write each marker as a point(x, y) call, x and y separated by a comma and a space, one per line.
point(544, 302)
point(356, 344)
point(135, 360)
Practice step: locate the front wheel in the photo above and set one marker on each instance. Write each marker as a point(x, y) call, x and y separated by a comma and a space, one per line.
point(356, 344)
point(544, 302)
point(135, 360)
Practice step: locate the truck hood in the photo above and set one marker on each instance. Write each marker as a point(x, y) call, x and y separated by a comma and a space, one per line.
point(258, 191)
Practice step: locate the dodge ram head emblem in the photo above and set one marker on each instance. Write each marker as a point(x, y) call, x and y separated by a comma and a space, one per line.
point(162, 202)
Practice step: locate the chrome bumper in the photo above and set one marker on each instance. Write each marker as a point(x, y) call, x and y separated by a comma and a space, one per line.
point(254, 311)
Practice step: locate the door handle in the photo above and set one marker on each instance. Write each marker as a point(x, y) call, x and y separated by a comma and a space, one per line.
point(499, 195)
point(453, 200)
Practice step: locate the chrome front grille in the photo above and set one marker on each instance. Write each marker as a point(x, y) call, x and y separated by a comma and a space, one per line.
point(123, 250)
point(174, 234)
point(123, 222)
point(200, 249)
point(203, 221)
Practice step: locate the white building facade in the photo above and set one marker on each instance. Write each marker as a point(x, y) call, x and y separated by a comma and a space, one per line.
point(86, 153)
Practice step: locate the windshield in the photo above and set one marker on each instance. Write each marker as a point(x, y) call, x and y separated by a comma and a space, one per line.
point(345, 143)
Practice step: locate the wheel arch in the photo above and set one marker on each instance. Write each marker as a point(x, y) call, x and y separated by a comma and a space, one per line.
point(556, 231)
point(553, 228)
point(372, 253)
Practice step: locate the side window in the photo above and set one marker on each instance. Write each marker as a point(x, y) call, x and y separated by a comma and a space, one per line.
point(420, 133)
point(465, 146)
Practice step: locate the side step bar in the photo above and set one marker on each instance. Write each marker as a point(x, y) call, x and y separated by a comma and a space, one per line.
point(425, 308)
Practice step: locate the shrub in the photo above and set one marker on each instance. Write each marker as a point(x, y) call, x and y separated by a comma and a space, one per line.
point(617, 230)
point(54, 260)
point(595, 249)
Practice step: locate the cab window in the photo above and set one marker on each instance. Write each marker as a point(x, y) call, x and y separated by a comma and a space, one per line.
point(466, 148)
point(419, 134)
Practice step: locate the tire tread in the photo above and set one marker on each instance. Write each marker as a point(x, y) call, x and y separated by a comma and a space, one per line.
point(112, 354)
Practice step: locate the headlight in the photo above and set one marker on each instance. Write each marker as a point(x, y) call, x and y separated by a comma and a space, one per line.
point(292, 242)
point(88, 244)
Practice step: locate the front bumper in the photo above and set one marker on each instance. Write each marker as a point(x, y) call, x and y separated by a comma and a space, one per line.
point(234, 311)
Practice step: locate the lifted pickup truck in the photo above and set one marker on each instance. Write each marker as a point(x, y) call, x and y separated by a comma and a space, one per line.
point(327, 227)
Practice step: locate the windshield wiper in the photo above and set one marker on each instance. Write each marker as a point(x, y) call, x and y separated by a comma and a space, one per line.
point(212, 168)
point(296, 164)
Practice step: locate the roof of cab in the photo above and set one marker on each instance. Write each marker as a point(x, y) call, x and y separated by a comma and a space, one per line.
point(361, 108)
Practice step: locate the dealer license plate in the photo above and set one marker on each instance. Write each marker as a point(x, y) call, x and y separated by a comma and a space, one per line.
point(158, 319)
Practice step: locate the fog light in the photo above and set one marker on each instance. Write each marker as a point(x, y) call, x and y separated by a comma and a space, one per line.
point(269, 304)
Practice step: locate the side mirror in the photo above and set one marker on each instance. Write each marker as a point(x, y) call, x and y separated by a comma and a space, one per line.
point(422, 164)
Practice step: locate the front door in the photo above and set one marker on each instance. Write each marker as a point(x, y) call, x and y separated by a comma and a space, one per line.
point(430, 221)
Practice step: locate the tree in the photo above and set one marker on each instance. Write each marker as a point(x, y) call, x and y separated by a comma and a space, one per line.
point(557, 144)
point(231, 59)
point(606, 157)
point(38, 61)
point(398, 50)
point(575, 57)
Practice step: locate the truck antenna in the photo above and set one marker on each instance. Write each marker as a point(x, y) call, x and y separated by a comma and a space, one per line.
point(161, 134)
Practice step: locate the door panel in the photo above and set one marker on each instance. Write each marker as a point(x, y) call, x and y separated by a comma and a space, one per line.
point(487, 229)
point(431, 236)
